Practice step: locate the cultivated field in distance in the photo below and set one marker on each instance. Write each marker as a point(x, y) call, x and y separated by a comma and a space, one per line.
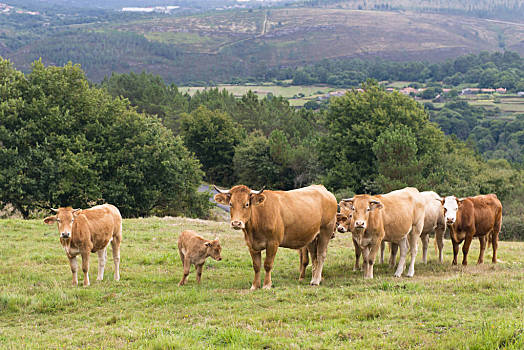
point(442, 307)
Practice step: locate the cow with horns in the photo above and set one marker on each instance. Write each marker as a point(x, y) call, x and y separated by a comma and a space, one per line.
point(83, 232)
point(289, 219)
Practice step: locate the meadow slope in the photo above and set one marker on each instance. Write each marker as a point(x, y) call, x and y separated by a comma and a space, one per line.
point(441, 307)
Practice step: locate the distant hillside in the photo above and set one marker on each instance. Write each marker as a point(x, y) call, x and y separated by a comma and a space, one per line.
point(222, 45)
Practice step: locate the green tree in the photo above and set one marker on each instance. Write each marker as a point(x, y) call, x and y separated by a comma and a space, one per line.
point(212, 136)
point(396, 153)
point(63, 142)
point(253, 164)
point(355, 121)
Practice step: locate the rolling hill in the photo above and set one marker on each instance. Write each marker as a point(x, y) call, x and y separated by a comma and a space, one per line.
point(220, 45)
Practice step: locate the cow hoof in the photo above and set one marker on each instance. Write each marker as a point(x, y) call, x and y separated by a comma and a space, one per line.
point(253, 288)
point(267, 287)
point(397, 275)
point(314, 283)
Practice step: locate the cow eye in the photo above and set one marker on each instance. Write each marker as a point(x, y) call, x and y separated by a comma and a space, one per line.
point(247, 204)
point(57, 220)
point(72, 220)
point(231, 204)
point(368, 209)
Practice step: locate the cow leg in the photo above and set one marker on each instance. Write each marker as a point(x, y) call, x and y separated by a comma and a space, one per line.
point(85, 267)
point(102, 257)
point(358, 252)
point(483, 240)
point(403, 245)
point(393, 247)
point(115, 245)
point(413, 243)
point(304, 262)
point(322, 242)
point(456, 246)
point(312, 247)
point(74, 268)
point(369, 259)
point(495, 238)
point(494, 244)
point(465, 248)
point(271, 251)
point(439, 238)
point(382, 248)
point(199, 272)
point(425, 242)
point(187, 266)
point(256, 257)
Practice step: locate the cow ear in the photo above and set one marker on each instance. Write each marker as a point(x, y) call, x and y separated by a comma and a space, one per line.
point(258, 199)
point(50, 219)
point(207, 244)
point(347, 205)
point(222, 198)
point(374, 204)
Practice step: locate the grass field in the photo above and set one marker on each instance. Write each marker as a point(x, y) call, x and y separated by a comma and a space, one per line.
point(310, 92)
point(477, 307)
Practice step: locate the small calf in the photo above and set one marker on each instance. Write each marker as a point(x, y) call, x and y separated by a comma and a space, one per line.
point(195, 249)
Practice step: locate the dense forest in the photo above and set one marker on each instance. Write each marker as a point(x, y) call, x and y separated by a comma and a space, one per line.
point(485, 70)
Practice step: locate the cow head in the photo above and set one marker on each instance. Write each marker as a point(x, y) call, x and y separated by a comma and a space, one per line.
point(451, 206)
point(213, 249)
point(343, 221)
point(360, 207)
point(64, 217)
point(344, 218)
point(240, 199)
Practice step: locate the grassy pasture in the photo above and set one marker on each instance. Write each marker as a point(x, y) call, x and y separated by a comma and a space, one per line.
point(310, 92)
point(477, 307)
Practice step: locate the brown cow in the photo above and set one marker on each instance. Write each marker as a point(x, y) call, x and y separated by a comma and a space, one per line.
point(394, 217)
point(289, 219)
point(87, 231)
point(479, 216)
point(194, 250)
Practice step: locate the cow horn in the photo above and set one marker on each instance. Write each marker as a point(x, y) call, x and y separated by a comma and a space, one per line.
point(374, 201)
point(348, 199)
point(221, 191)
point(55, 210)
point(75, 210)
point(258, 192)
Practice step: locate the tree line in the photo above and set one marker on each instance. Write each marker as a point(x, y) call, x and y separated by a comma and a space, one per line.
point(144, 146)
point(485, 70)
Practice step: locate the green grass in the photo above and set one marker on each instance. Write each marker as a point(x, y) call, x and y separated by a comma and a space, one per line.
point(477, 307)
point(263, 90)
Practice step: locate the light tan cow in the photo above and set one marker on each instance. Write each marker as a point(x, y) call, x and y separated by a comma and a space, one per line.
point(343, 219)
point(396, 217)
point(194, 250)
point(289, 219)
point(86, 231)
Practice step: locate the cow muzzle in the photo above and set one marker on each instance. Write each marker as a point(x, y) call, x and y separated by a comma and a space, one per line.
point(341, 229)
point(360, 224)
point(65, 235)
point(450, 221)
point(237, 225)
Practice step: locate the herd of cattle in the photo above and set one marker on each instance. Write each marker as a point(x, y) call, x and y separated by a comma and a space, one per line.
point(304, 219)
